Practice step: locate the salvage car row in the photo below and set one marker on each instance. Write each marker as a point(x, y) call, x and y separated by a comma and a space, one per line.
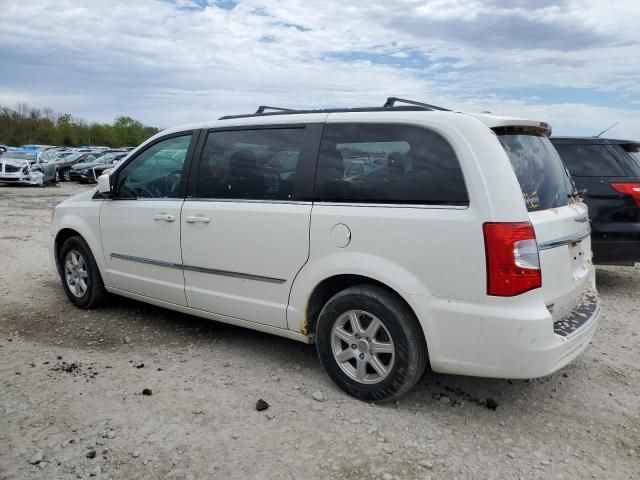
point(41, 165)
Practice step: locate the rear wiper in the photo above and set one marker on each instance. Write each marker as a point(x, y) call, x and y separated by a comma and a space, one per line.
point(577, 193)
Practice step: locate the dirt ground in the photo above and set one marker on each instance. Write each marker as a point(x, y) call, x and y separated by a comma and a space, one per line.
point(71, 384)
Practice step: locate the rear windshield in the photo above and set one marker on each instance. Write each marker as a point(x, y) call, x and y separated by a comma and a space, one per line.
point(590, 161)
point(543, 179)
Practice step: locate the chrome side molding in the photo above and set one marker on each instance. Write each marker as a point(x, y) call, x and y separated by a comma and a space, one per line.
point(193, 268)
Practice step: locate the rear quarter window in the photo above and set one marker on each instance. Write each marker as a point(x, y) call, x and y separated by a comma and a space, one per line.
point(590, 161)
point(543, 179)
point(633, 151)
point(388, 163)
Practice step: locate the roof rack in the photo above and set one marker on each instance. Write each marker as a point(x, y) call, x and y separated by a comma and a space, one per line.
point(262, 108)
point(391, 102)
point(411, 105)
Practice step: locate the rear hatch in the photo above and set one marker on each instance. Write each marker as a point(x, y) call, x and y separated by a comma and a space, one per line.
point(610, 178)
point(559, 218)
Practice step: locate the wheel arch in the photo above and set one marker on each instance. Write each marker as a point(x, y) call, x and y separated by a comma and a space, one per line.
point(329, 286)
point(62, 235)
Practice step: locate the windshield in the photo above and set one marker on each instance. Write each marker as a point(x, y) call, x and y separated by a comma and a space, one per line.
point(19, 156)
point(543, 179)
point(73, 156)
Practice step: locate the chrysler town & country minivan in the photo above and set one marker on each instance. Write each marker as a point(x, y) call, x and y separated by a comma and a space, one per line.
point(464, 247)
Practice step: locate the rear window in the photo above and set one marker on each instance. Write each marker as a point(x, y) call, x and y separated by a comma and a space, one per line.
point(543, 179)
point(590, 161)
point(388, 163)
point(634, 152)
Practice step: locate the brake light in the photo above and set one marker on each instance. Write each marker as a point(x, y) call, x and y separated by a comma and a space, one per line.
point(513, 263)
point(632, 189)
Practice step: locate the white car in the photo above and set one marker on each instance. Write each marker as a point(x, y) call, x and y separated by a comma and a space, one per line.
point(468, 250)
point(27, 167)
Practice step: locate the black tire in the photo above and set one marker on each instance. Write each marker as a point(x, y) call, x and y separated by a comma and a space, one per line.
point(95, 292)
point(64, 175)
point(410, 356)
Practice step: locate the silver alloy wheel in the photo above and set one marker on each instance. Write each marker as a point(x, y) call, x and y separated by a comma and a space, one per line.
point(362, 346)
point(75, 273)
point(66, 175)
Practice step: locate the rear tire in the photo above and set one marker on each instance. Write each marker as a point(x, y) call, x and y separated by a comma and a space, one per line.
point(79, 273)
point(65, 175)
point(370, 343)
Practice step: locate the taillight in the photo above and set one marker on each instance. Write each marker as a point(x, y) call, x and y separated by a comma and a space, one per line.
point(513, 264)
point(632, 189)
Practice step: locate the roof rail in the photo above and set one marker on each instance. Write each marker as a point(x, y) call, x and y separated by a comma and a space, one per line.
point(410, 105)
point(262, 108)
point(391, 102)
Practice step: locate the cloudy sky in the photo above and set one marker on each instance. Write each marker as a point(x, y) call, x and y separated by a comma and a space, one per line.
point(574, 63)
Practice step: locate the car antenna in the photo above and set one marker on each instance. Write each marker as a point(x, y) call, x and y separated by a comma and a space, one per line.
point(606, 129)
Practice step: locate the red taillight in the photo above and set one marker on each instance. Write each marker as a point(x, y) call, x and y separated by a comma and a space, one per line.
point(513, 264)
point(632, 189)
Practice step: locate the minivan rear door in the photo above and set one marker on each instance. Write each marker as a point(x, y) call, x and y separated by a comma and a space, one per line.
point(559, 218)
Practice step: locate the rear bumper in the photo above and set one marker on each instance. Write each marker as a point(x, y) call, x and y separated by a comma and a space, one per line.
point(516, 340)
point(611, 251)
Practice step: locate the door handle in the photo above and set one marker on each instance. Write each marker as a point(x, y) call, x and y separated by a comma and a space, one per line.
point(196, 219)
point(165, 217)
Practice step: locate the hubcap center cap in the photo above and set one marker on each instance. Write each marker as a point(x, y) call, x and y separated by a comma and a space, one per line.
point(363, 346)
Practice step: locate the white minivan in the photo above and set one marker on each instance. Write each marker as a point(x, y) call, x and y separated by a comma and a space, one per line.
point(458, 242)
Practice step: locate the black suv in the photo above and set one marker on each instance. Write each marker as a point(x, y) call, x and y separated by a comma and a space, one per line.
point(607, 173)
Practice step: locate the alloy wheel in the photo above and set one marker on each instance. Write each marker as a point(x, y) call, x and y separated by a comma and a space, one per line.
point(362, 346)
point(75, 273)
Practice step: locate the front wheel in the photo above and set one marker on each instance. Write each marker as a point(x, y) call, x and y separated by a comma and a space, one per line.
point(65, 175)
point(370, 343)
point(80, 275)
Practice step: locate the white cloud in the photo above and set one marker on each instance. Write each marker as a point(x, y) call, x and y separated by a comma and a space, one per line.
point(167, 63)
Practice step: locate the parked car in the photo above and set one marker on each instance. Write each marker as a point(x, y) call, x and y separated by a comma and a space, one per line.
point(84, 171)
point(607, 172)
point(27, 167)
point(474, 256)
point(66, 162)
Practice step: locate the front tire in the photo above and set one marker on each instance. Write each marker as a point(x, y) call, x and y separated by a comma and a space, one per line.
point(370, 343)
point(65, 175)
point(79, 272)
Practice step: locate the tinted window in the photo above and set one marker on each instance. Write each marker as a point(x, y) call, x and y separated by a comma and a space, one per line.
point(156, 172)
point(250, 164)
point(543, 179)
point(388, 163)
point(634, 152)
point(590, 161)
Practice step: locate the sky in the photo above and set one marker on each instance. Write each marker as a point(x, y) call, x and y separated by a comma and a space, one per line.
point(572, 63)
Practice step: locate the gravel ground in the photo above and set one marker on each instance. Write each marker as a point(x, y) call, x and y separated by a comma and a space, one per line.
point(72, 382)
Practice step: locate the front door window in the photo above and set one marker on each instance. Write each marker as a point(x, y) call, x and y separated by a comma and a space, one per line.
point(156, 172)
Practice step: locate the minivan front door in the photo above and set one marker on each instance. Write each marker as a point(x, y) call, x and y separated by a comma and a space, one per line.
point(245, 224)
point(140, 226)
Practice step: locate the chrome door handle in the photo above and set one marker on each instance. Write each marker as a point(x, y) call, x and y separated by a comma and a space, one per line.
point(196, 219)
point(165, 217)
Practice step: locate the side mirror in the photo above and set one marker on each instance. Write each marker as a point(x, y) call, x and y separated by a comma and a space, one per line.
point(104, 185)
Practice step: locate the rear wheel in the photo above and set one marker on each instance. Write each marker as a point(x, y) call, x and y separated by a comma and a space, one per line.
point(65, 175)
point(370, 343)
point(80, 275)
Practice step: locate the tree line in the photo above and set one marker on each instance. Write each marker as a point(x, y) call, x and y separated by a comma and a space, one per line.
point(26, 125)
